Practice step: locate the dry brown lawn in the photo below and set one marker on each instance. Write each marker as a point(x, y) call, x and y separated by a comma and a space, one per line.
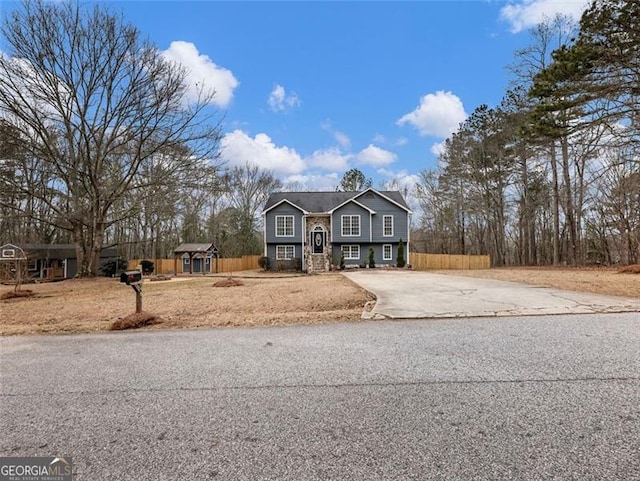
point(598, 280)
point(95, 304)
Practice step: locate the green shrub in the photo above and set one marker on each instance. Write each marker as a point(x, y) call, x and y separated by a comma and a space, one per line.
point(264, 263)
point(372, 258)
point(112, 267)
point(342, 261)
point(400, 262)
point(147, 267)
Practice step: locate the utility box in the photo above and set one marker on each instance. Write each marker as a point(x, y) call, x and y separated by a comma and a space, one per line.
point(131, 277)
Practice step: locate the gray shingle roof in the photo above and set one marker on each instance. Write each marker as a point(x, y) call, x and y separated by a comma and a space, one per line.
point(59, 251)
point(195, 248)
point(325, 201)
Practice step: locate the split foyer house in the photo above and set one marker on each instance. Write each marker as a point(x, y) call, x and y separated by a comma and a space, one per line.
point(319, 227)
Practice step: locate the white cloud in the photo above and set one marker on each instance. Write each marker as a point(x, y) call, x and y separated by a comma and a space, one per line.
point(529, 13)
point(279, 101)
point(202, 73)
point(311, 182)
point(239, 148)
point(375, 156)
point(330, 159)
point(29, 91)
point(401, 141)
point(343, 139)
point(438, 115)
point(379, 139)
point(438, 148)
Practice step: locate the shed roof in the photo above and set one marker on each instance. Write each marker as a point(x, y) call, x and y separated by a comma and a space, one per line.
point(195, 248)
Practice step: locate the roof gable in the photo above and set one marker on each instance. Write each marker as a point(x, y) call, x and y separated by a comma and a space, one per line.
point(392, 196)
point(283, 201)
point(354, 201)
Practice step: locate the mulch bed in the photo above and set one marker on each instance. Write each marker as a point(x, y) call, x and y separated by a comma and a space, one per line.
point(632, 269)
point(229, 282)
point(21, 294)
point(135, 321)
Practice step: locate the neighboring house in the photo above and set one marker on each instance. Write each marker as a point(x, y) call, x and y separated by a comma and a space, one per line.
point(196, 258)
point(57, 261)
point(319, 227)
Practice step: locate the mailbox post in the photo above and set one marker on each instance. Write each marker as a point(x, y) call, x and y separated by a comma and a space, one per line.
point(134, 279)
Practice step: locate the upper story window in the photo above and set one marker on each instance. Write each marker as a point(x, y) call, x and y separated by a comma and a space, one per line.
point(284, 226)
point(350, 225)
point(387, 221)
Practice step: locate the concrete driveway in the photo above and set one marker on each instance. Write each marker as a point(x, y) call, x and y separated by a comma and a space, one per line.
point(422, 295)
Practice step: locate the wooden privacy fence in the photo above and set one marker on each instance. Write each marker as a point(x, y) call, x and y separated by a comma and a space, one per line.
point(423, 262)
point(229, 264)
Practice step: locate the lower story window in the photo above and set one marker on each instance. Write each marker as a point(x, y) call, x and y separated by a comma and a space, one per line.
point(285, 252)
point(351, 252)
point(386, 252)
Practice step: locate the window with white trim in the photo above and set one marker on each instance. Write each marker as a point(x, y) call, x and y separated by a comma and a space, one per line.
point(350, 225)
point(351, 252)
point(284, 226)
point(285, 252)
point(387, 222)
point(386, 252)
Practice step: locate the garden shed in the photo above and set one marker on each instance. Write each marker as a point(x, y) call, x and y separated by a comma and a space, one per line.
point(195, 258)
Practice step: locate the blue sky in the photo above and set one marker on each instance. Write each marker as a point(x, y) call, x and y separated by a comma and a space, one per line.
point(310, 89)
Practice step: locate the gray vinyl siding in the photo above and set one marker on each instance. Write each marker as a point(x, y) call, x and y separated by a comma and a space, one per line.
point(400, 226)
point(364, 254)
point(270, 225)
point(199, 265)
point(383, 207)
point(365, 222)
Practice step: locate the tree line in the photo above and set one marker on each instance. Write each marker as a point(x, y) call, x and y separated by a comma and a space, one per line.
point(552, 174)
point(102, 143)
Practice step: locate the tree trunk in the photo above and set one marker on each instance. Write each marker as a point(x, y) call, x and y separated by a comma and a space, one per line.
point(570, 211)
point(556, 206)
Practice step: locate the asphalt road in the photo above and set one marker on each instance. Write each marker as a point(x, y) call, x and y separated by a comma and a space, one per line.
point(555, 397)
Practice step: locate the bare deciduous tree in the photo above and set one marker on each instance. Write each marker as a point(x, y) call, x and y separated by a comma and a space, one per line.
point(97, 106)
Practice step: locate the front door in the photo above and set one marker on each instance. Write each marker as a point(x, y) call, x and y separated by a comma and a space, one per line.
point(317, 237)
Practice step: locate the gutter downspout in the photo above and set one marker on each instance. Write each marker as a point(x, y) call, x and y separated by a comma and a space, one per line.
point(408, 237)
point(264, 237)
point(304, 236)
